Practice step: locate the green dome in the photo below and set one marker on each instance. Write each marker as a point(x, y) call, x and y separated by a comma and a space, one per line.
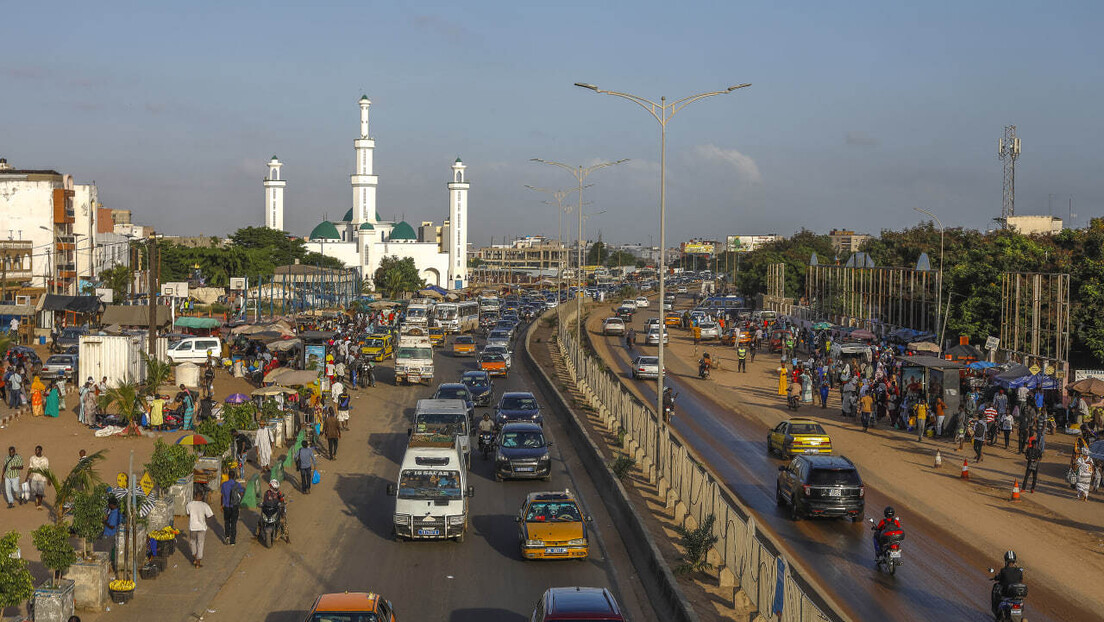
point(366, 226)
point(325, 231)
point(403, 231)
point(348, 216)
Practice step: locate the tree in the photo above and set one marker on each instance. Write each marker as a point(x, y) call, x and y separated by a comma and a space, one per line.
point(52, 542)
point(118, 279)
point(397, 276)
point(597, 254)
point(16, 584)
point(125, 399)
point(89, 508)
point(697, 543)
point(620, 258)
point(82, 478)
point(157, 374)
point(169, 463)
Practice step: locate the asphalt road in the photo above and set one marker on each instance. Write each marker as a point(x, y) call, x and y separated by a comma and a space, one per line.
point(341, 533)
point(942, 579)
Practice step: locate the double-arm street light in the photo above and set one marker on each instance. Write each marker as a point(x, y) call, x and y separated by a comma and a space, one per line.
point(580, 173)
point(662, 112)
point(939, 290)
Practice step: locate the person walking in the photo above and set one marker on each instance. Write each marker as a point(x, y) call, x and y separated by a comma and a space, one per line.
point(823, 394)
point(979, 430)
point(157, 412)
point(305, 461)
point(331, 429)
point(232, 494)
point(921, 418)
point(1033, 457)
point(866, 410)
point(1006, 421)
point(1023, 425)
point(990, 414)
point(52, 406)
point(198, 512)
point(1084, 466)
point(37, 480)
point(264, 443)
point(960, 428)
point(13, 466)
point(343, 409)
point(940, 415)
point(38, 397)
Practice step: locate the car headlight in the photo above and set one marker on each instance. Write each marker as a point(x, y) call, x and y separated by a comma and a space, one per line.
point(402, 519)
point(500, 458)
point(577, 542)
point(534, 543)
point(456, 520)
point(545, 458)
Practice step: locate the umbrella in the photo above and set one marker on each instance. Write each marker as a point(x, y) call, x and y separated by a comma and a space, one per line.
point(273, 390)
point(237, 398)
point(1089, 386)
point(822, 326)
point(192, 439)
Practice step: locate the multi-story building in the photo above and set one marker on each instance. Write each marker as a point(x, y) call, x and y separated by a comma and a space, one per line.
point(16, 260)
point(845, 241)
point(530, 255)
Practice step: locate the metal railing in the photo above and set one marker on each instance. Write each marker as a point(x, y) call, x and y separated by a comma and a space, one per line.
point(744, 556)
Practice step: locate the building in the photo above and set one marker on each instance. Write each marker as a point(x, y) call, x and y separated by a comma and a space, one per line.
point(1035, 225)
point(16, 259)
point(846, 241)
point(362, 238)
point(532, 255)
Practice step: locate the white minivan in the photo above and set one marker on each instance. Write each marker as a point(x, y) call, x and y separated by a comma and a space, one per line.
point(195, 350)
point(431, 496)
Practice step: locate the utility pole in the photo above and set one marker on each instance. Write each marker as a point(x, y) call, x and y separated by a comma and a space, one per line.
point(1008, 151)
point(152, 333)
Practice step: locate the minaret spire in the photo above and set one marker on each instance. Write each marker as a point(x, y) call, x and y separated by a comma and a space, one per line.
point(274, 186)
point(458, 227)
point(364, 179)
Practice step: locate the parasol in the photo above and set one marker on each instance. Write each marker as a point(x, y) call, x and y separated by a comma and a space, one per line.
point(273, 390)
point(1089, 386)
point(923, 346)
point(237, 398)
point(193, 440)
point(822, 326)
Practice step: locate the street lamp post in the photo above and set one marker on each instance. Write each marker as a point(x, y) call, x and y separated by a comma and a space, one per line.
point(939, 290)
point(662, 113)
point(558, 196)
point(580, 173)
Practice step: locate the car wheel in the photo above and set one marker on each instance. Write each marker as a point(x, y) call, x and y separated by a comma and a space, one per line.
point(498, 478)
point(770, 450)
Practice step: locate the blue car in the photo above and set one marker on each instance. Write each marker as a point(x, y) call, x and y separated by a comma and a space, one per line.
point(481, 386)
point(456, 391)
point(518, 406)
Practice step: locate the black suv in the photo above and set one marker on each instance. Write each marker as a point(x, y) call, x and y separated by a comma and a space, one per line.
point(821, 486)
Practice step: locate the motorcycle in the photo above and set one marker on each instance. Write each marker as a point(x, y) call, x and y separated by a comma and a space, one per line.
point(1010, 605)
point(703, 371)
point(486, 443)
point(792, 402)
point(890, 543)
point(272, 517)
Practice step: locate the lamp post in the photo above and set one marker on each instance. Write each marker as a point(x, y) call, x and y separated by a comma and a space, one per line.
point(558, 196)
point(662, 113)
point(580, 173)
point(939, 290)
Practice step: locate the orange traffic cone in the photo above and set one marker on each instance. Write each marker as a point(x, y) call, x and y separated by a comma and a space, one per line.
point(938, 459)
point(1016, 490)
point(965, 469)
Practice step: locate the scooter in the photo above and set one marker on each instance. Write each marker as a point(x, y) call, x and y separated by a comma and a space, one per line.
point(793, 402)
point(486, 443)
point(703, 371)
point(1010, 606)
point(271, 517)
point(890, 557)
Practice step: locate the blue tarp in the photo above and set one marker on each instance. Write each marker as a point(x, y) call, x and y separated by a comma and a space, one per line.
point(434, 288)
point(981, 365)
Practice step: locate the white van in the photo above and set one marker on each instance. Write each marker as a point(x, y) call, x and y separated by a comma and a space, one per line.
point(431, 496)
point(195, 350)
point(447, 417)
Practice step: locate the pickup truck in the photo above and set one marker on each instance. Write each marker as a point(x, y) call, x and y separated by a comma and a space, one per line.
point(413, 360)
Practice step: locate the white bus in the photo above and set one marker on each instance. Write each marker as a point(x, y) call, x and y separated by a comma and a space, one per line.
point(457, 317)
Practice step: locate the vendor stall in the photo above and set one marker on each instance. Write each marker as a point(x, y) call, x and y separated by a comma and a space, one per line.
point(937, 378)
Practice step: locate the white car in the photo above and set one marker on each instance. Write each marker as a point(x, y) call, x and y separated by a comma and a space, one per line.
point(641, 302)
point(650, 322)
point(652, 338)
point(503, 350)
point(613, 326)
point(645, 367)
point(629, 302)
point(195, 350)
point(710, 330)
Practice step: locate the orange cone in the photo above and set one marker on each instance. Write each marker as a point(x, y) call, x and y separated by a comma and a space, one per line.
point(1016, 490)
point(965, 469)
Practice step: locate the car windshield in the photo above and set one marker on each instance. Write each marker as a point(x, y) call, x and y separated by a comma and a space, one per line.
point(648, 360)
point(415, 313)
point(466, 340)
point(448, 424)
point(374, 342)
point(344, 616)
point(549, 511)
point(499, 334)
point(491, 357)
point(834, 477)
point(519, 403)
point(415, 353)
point(59, 360)
point(529, 439)
point(475, 381)
point(806, 428)
point(429, 484)
point(452, 393)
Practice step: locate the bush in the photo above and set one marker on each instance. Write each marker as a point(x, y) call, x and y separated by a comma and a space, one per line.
point(52, 542)
point(622, 465)
point(270, 410)
point(697, 543)
point(169, 463)
point(239, 416)
point(218, 436)
point(89, 508)
point(16, 584)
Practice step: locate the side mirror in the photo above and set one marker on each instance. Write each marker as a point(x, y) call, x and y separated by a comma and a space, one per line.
point(871, 520)
point(517, 519)
point(991, 570)
point(551, 443)
point(471, 491)
point(390, 490)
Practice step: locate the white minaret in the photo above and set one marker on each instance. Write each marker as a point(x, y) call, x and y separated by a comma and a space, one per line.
point(274, 196)
point(458, 227)
point(364, 180)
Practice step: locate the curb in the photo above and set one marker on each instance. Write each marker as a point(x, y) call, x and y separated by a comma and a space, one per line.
point(653, 571)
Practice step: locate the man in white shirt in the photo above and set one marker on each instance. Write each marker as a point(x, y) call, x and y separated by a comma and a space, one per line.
point(198, 512)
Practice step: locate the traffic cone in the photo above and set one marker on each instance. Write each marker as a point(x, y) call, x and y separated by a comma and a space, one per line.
point(1016, 490)
point(965, 469)
point(938, 459)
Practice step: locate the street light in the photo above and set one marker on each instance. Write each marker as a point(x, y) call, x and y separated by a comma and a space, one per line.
point(559, 196)
point(51, 254)
point(662, 113)
point(580, 173)
point(939, 290)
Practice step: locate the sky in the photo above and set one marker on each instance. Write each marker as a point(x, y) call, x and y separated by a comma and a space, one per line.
point(858, 111)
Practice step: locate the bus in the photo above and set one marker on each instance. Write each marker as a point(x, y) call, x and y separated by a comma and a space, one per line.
point(457, 317)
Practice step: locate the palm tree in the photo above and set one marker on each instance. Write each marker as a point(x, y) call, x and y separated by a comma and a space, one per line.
point(125, 398)
point(81, 479)
point(157, 374)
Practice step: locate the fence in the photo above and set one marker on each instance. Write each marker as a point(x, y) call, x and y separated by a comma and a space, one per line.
point(745, 556)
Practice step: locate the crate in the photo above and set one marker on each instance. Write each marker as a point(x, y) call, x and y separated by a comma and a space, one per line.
point(120, 597)
point(149, 571)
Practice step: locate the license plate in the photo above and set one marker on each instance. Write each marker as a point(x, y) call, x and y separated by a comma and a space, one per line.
point(895, 553)
point(834, 492)
point(812, 451)
point(814, 442)
point(525, 469)
point(414, 377)
point(429, 532)
point(555, 551)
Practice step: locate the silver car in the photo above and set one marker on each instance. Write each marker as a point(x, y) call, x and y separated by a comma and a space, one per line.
point(710, 330)
point(653, 336)
point(645, 367)
point(60, 366)
point(613, 326)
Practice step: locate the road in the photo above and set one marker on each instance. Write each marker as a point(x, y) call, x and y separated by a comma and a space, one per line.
point(942, 579)
point(342, 532)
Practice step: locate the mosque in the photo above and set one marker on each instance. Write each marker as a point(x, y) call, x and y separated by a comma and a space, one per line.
point(362, 239)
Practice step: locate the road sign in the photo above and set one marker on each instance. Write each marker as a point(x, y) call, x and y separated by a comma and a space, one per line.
point(1034, 369)
point(121, 479)
point(1049, 370)
point(146, 483)
point(992, 343)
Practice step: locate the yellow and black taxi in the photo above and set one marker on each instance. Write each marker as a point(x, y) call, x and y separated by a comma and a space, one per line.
point(463, 345)
point(351, 607)
point(378, 347)
point(437, 336)
point(798, 436)
point(552, 526)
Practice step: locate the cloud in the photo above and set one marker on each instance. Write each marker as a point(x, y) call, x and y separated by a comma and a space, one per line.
point(861, 139)
point(746, 168)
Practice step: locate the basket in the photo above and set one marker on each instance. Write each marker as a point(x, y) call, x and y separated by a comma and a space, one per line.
point(160, 562)
point(165, 548)
point(120, 597)
point(149, 571)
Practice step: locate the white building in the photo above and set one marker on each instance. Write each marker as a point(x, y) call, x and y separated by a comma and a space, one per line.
point(362, 239)
point(1035, 224)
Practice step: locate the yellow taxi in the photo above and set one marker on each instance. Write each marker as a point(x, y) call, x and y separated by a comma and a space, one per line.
point(552, 526)
point(672, 320)
point(436, 336)
point(351, 607)
point(798, 436)
point(378, 347)
point(463, 345)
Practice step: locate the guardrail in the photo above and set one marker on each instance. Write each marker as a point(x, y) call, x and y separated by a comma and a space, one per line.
point(778, 588)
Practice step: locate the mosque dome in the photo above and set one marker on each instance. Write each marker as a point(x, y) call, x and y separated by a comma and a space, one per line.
point(325, 231)
point(366, 226)
point(403, 231)
point(348, 216)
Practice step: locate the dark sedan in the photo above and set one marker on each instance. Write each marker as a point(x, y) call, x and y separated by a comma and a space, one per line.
point(518, 406)
point(522, 452)
point(480, 385)
point(456, 391)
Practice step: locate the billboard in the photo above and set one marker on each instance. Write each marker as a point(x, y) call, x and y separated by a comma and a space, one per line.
point(732, 243)
point(698, 248)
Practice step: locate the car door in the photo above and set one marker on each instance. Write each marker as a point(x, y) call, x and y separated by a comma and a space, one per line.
point(788, 478)
point(778, 434)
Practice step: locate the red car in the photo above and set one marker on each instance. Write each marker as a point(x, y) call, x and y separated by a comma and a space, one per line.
point(577, 603)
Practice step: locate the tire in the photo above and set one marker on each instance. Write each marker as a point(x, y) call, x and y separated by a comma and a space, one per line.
point(266, 538)
point(892, 569)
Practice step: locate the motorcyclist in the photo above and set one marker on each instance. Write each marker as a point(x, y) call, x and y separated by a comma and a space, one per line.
point(485, 424)
point(668, 403)
point(1011, 574)
point(794, 393)
point(704, 365)
point(889, 523)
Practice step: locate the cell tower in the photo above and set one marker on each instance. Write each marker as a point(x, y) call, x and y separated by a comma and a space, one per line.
point(1008, 150)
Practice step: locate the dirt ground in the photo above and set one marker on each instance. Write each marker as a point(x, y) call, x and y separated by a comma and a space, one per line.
point(1048, 529)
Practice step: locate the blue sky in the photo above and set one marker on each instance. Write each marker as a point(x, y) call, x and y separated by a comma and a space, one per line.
point(858, 112)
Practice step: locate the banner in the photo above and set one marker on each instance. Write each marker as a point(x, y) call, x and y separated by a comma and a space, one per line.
point(698, 248)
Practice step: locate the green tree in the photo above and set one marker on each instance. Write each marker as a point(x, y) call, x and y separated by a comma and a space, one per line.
point(82, 478)
point(157, 374)
point(118, 279)
point(89, 508)
point(169, 463)
point(52, 542)
point(16, 584)
point(124, 397)
point(397, 276)
point(597, 254)
point(620, 258)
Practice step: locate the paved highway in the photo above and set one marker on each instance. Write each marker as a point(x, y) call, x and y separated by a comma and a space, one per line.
point(341, 534)
point(942, 579)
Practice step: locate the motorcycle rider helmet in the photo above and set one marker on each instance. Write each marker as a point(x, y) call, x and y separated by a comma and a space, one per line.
point(275, 484)
point(889, 512)
point(1010, 557)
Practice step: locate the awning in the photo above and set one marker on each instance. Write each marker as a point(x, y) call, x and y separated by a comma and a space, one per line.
point(197, 322)
point(135, 315)
point(74, 304)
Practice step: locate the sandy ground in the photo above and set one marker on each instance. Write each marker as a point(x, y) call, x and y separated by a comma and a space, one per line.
point(1049, 529)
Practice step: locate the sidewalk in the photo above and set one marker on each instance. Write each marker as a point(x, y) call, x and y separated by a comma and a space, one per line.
point(1048, 529)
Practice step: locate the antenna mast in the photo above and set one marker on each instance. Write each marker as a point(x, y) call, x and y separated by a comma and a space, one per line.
point(1008, 151)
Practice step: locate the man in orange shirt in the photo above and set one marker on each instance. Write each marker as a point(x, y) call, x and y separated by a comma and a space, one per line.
point(940, 412)
point(866, 409)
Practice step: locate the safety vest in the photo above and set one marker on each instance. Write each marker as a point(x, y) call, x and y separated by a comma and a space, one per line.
point(741, 353)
